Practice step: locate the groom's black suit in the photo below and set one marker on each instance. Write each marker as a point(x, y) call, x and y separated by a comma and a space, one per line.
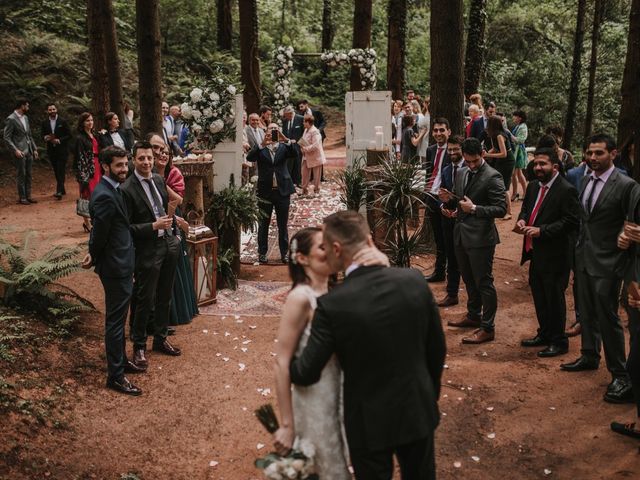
point(388, 338)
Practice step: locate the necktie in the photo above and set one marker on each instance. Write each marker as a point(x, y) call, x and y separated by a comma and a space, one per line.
point(436, 166)
point(528, 241)
point(590, 199)
point(469, 180)
point(157, 203)
point(453, 179)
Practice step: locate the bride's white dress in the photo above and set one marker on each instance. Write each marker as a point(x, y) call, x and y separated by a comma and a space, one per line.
point(317, 410)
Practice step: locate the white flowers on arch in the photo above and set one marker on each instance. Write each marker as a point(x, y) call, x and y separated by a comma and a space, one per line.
point(209, 113)
point(364, 58)
point(282, 67)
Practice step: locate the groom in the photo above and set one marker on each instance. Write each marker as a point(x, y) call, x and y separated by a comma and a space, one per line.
point(388, 338)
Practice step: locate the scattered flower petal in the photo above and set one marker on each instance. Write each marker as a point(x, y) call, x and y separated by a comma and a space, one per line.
point(490, 409)
point(547, 471)
point(475, 458)
point(259, 446)
point(491, 435)
point(213, 463)
point(226, 359)
point(457, 464)
point(205, 331)
point(244, 350)
point(241, 366)
point(246, 342)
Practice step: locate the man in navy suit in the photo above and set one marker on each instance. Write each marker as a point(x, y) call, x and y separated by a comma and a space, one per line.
point(480, 123)
point(111, 252)
point(274, 188)
point(292, 128)
point(56, 135)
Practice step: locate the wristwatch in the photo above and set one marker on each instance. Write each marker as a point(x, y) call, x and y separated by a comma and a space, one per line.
point(473, 208)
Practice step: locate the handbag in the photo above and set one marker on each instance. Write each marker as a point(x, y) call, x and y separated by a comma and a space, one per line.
point(82, 207)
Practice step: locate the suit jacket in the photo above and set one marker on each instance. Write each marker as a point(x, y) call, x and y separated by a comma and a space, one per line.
point(251, 137)
point(431, 157)
point(486, 191)
point(558, 220)
point(314, 153)
point(391, 348)
point(140, 210)
point(319, 122)
point(62, 133)
point(267, 168)
point(477, 128)
point(16, 137)
point(575, 175)
point(297, 127)
point(105, 140)
point(597, 252)
point(110, 242)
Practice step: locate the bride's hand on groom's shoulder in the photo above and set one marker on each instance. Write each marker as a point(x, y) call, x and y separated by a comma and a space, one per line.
point(371, 256)
point(283, 440)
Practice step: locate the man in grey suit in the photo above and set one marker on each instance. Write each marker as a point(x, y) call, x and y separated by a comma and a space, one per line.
point(292, 128)
point(255, 134)
point(478, 195)
point(17, 136)
point(606, 197)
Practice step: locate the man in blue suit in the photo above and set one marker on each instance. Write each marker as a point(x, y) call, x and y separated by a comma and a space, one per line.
point(274, 188)
point(111, 252)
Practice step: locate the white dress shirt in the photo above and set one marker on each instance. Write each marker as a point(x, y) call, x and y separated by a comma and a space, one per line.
point(117, 139)
point(22, 119)
point(52, 122)
point(145, 187)
point(599, 185)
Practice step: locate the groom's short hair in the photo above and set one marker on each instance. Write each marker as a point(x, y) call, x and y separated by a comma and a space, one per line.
point(347, 227)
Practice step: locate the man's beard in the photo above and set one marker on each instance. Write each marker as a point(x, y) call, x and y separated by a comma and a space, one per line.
point(116, 178)
point(545, 177)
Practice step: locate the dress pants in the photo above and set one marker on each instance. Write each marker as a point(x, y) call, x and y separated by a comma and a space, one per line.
point(155, 273)
point(598, 300)
point(294, 164)
point(59, 164)
point(24, 166)
point(548, 292)
point(476, 267)
point(117, 295)
point(453, 274)
point(435, 220)
point(416, 459)
point(281, 205)
point(633, 361)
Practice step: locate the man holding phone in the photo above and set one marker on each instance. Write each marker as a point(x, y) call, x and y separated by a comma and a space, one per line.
point(274, 187)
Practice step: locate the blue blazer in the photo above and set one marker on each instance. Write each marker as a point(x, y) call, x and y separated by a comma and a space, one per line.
point(110, 242)
point(267, 168)
point(575, 175)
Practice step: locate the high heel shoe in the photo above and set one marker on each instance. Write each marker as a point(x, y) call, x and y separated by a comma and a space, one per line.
point(85, 228)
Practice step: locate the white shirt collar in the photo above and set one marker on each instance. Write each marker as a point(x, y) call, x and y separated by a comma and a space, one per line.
point(550, 182)
point(351, 268)
point(111, 181)
point(140, 177)
point(605, 175)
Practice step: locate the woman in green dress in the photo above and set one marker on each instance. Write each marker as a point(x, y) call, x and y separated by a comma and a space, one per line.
point(519, 135)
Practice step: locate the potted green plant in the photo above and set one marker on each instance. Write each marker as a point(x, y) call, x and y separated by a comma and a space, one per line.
point(353, 185)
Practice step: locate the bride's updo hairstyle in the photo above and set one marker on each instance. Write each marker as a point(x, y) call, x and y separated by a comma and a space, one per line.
point(301, 242)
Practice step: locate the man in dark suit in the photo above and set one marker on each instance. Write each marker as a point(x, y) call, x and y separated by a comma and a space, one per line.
point(293, 128)
point(318, 118)
point(391, 349)
point(479, 197)
point(111, 252)
point(437, 157)
point(17, 136)
point(56, 135)
point(274, 189)
point(449, 174)
point(479, 125)
point(157, 251)
point(114, 135)
point(605, 196)
point(549, 222)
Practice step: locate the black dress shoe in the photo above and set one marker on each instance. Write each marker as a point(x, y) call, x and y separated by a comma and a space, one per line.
point(130, 367)
point(24, 201)
point(165, 347)
point(627, 429)
point(31, 200)
point(552, 351)
point(435, 277)
point(581, 364)
point(536, 341)
point(58, 196)
point(140, 359)
point(448, 301)
point(284, 259)
point(262, 259)
point(124, 386)
point(619, 391)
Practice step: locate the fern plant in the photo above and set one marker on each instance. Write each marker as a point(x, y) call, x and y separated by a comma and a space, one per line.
point(30, 281)
point(353, 185)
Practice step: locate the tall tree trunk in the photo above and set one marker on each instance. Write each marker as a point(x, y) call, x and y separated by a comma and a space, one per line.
point(113, 61)
point(225, 24)
point(149, 72)
point(396, 47)
point(249, 61)
point(447, 37)
point(362, 14)
point(474, 57)
point(327, 25)
point(575, 75)
point(598, 11)
point(629, 120)
point(98, 62)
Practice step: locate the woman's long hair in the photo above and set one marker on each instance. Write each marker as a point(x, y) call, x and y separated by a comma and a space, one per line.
point(301, 242)
point(81, 119)
point(494, 127)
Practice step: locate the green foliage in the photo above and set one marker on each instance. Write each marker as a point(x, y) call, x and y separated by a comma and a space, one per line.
point(226, 274)
point(235, 208)
point(353, 184)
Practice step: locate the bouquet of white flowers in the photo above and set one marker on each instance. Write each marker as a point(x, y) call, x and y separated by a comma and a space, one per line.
point(209, 114)
point(282, 66)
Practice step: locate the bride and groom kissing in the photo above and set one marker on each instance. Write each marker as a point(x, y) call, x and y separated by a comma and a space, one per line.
point(373, 343)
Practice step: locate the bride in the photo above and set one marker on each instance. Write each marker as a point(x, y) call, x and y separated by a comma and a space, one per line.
point(314, 412)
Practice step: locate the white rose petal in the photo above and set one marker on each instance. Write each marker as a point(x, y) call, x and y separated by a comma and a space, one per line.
point(457, 464)
point(475, 458)
point(196, 94)
point(231, 89)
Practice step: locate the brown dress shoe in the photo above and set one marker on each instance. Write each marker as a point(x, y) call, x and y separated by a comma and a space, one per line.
point(165, 347)
point(479, 336)
point(130, 367)
point(448, 301)
point(466, 322)
point(139, 358)
point(574, 330)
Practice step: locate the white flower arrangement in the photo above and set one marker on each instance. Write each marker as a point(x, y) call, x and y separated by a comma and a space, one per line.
point(363, 58)
point(298, 465)
point(282, 66)
point(208, 112)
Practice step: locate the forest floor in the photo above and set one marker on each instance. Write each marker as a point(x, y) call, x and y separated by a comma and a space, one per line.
point(505, 412)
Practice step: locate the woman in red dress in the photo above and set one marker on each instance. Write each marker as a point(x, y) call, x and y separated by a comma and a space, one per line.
point(88, 171)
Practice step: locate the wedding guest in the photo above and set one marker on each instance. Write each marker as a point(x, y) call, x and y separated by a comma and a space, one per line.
point(113, 135)
point(476, 99)
point(479, 125)
point(292, 128)
point(56, 133)
point(169, 129)
point(519, 134)
point(87, 165)
point(254, 133)
point(396, 127)
point(312, 156)
point(424, 123)
point(265, 116)
point(410, 140)
point(17, 136)
point(500, 156)
point(128, 124)
point(474, 113)
point(565, 156)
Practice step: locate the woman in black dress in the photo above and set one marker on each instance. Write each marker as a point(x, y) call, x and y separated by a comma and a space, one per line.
point(500, 155)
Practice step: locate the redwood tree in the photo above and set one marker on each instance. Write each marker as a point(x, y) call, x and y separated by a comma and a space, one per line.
point(598, 11)
point(149, 72)
point(327, 25)
point(116, 103)
point(249, 61)
point(447, 31)
point(396, 47)
point(474, 57)
point(225, 24)
point(362, 14)
point(629, 120)
point(97, 61)
point(575, 75)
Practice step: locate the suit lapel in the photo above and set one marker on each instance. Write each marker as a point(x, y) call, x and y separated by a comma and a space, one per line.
point(141, 193)
point(17, 120)
point(606, 190)
point(550, 194)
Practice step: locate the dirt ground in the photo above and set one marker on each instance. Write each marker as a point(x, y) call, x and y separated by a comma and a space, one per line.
point(505, 412)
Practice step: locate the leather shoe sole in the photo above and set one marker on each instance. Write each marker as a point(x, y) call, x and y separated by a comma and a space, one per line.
point(627, 429)
point(448, 301)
